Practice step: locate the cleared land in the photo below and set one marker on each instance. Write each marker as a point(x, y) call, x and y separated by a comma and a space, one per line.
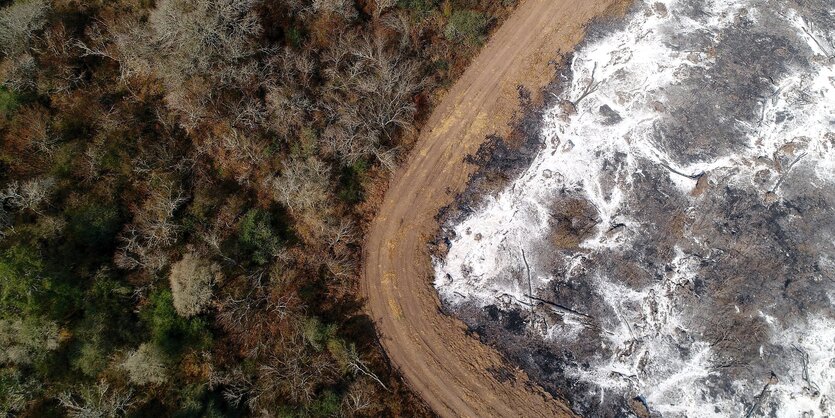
point(449, 369)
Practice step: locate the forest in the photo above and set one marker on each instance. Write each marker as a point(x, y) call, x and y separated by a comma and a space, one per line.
point(184, 189)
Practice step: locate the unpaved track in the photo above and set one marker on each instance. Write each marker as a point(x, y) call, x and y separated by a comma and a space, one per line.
point(443, 365)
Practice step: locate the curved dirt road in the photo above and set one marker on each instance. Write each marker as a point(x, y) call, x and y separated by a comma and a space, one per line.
point(447, 368)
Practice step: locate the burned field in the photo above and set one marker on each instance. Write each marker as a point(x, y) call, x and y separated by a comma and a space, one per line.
point(670, 248)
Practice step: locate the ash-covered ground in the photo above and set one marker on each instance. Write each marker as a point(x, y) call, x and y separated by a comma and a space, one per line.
point(671, 250)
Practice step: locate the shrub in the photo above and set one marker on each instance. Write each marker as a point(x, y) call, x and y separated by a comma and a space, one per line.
point(191, 284)
point(467, 26)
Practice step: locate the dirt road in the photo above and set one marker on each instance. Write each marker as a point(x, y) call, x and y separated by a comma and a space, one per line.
point(450, 370)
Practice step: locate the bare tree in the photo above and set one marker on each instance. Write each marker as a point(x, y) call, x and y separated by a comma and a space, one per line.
point(359, 401)
point(31, 194)
point(368, 98)
point(342, 8)
point(153, 228)
point(295, 373)
point(250, 317)
point(380, 7)
point(302, 184)
point(97, 401)
point(18, 24)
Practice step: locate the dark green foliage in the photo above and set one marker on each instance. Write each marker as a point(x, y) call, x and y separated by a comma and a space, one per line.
point(93, 225)
point(259, 235)
point(90, 357)
point(351, 180)
point(295, 37)
point(198, 402)
point(20, 280)
point(171, 332)
point(104, 326)
point(25, 286)
point(326, 405)
point(15, 390)
point(8, 101)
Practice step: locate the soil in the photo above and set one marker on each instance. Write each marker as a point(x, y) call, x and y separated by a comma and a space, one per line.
point(449, 368)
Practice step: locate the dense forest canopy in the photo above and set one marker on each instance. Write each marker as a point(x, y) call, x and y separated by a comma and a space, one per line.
point(184, 186)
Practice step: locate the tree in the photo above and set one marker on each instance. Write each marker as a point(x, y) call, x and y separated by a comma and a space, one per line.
point(97, 401)
point(153, 228)
point(369, 96)
point(146, 365)
point(15, 391)
point(258, 236)
point(23, 342)
point(29, 195)
point(302, 184)
point(343, 8)
point(21, 270)
point(202, 45)
point(191, 284)
point(380, 7)
point(18, 24)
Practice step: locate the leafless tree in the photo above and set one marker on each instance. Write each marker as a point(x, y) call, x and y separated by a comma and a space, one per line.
point(153, 229)
point(357, 366)
point(18, 24)
point(302, 184)
point(236, 384)
point(368, 98)
point(97, 401)
point(31, 194)
point(250, 317)
point(380, 7)
point(359, 400)
point(342, 8)
point(295, 373)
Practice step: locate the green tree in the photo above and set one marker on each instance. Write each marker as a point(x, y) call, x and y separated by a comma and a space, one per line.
point(258, 236)
point(93, 225)
point(170, 331)
point(21, 280)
